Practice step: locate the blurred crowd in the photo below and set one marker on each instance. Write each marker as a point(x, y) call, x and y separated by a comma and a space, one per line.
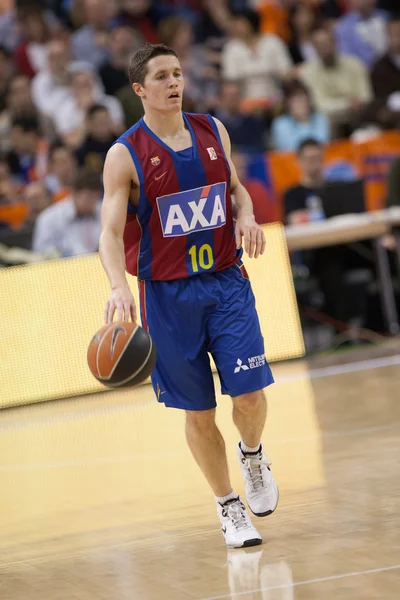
point(275, 72)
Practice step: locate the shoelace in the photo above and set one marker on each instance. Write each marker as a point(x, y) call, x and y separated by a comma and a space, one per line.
point(254, 464)
point(235, 512)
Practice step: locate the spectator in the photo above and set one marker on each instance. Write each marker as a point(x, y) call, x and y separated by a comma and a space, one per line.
point(138, 14)
point(38, 198)
point(131, 105)
point(6, 70)
point(274, 18)
point(362, 32)
point(30, 56)
point(328, 265)
point(89, 43)
point(18, 104)
point(214, 23)
point(247, 132)
point(50, 85)
point(8, 193)
point(258, 62)
point(303, 20)
point(72, 226)
point(386, 77)
point(200, 77)
point(339, 85)
point(299, 122)
point(62, 171)
point(393, 197)
point(297, 199)
point(8, 28)
point(114, 73)
point(99, 138)
point(86, 90)
point(24, 157)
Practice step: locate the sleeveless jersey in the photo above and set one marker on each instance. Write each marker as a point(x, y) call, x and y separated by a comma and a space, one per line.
point(183, 224)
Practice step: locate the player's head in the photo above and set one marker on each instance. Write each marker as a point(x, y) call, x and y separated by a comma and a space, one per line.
point(156, 77)
point(311, 158)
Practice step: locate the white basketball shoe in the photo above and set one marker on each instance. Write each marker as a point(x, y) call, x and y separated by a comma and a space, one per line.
point(261, 490)
point(236, 525)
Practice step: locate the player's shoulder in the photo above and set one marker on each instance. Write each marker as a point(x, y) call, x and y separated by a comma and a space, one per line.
point(207, 120)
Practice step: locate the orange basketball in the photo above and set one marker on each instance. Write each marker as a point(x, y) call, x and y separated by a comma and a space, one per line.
point(121, 354)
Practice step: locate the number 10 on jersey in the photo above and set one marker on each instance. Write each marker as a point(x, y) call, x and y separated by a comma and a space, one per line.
point(201, 258)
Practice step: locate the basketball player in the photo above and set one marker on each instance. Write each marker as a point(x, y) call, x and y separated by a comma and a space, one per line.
point(167, 218)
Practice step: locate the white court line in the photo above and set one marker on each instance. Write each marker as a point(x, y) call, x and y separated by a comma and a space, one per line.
point(362, 365)
point(307, 582)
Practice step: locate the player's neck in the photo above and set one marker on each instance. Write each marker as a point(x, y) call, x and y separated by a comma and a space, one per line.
point(165, 125)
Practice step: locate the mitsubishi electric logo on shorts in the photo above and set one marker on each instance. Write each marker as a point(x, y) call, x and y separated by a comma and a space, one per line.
point(193, 210)
point(252, 363)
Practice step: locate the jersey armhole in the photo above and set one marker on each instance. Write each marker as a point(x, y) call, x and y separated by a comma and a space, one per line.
point(216, 131)
point(133, 209)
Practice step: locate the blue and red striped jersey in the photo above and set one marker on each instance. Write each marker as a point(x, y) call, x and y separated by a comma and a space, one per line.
point(183, 223)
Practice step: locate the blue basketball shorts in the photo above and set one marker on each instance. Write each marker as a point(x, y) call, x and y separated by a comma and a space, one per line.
point(189, 319)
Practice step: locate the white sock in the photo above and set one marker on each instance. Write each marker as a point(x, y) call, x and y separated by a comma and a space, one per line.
point(222, 499)
point(248, 449)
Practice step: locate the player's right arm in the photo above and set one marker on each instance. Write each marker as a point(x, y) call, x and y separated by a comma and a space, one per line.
point(118, 175)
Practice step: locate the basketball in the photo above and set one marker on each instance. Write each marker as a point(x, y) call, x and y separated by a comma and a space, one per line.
point(121, 354)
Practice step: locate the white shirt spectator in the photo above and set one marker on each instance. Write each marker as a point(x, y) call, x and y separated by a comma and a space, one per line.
point(47, 94)
point(70, 117)
point(259, 68)
point(59, 228)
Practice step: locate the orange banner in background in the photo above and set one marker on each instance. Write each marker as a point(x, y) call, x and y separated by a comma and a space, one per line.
point(344, 159)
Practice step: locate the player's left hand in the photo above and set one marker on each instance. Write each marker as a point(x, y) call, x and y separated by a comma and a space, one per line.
point(252, 234)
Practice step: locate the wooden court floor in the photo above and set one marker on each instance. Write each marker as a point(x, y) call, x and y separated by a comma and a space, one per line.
point(100, 499)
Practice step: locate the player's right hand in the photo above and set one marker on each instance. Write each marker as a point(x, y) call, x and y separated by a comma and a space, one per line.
point(122, 301)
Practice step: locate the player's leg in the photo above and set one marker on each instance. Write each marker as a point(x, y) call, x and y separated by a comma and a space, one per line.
point(236, 343)
point(249, 416)
point(208, 448)
point(183, 379)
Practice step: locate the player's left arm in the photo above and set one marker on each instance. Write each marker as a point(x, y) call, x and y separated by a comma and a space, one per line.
point(246, 227)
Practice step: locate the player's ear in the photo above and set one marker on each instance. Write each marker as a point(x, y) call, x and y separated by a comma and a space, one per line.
point(138, 89)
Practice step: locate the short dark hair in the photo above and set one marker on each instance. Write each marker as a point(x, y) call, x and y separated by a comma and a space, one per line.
point(28, 124)
point(58, 145)
point(138, 65)
point(94, 108)
point(308, 143)
point(251, 16)
point(88, 179)
point(5, 52)
point(394, 17)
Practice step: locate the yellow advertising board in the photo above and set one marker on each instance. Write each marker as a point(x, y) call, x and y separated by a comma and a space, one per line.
point(50, 311)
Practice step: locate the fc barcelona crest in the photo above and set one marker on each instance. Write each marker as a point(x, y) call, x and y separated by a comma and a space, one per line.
point(155, 161)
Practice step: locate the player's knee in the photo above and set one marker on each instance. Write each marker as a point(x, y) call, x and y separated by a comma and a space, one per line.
point(250, 402)
point(200, 419)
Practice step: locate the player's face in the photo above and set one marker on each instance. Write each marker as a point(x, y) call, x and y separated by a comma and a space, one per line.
point(163, 85)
